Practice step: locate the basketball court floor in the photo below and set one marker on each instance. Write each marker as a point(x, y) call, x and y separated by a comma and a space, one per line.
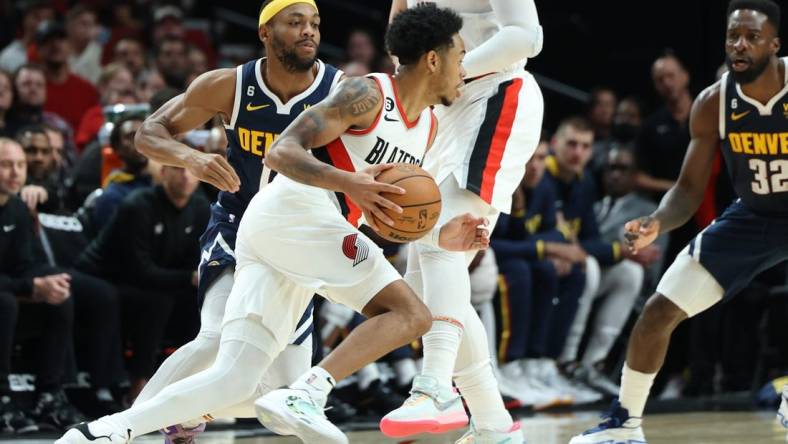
point(689, 428)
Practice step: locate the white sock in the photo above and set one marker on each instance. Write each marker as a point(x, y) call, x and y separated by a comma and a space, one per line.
point(406, 370)
point(317, 382)
point(635, 387)
point(367, 374)
point(440, 351)
point(480, 390)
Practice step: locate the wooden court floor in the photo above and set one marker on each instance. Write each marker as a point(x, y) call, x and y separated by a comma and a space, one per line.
point(690, 428)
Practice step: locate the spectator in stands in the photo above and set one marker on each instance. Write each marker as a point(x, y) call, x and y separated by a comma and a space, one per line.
point(43, 191)
point(82, 30)
point(536, 264)
point(620, 284)
point(13, 259)
point(116, 86)
point(600, 115)
point(58, 143)
point(149, 83)
point(34, 12)
point(664, 137)
point(151, 248)
point(627, 122)
point(47, 297)
point(68, 95)
point(197, 62)
point(6, 99)
point(168, 23)
point(170, 59)
point(30, 94)
point(130, 52)
point(125, 180)
point(361, 49)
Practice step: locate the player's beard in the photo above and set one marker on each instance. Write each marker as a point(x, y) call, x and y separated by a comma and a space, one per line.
point(757, 67)
point(289, 58)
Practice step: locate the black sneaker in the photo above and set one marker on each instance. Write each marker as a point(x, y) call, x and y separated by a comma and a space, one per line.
point(379, 398)
point(54, 411)
point(338, 411)
point(13, 419)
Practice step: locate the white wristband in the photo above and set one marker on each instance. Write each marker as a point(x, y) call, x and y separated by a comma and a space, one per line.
point(433, 237)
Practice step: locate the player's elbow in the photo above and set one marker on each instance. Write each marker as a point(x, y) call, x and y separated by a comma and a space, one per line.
point(273, 159)
point(142, 138)
point(530, 39)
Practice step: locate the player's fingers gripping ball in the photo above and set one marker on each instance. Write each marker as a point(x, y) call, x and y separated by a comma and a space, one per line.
point(421, 203)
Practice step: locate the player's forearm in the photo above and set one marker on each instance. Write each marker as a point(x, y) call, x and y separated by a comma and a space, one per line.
point(676, 207)
point(156, 143)
point(291, 159)
point(520, 24)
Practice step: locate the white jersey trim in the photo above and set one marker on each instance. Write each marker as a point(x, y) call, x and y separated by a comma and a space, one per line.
point(237, 101)
point(284, 108)
point(723, 102)
point(337, 76)
point(766, 110)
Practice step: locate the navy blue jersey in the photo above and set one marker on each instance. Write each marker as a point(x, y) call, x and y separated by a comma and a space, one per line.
point(257, 120)
point(755, 145)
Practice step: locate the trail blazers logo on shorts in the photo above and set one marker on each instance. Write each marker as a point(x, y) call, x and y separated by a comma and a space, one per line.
point(355, 249)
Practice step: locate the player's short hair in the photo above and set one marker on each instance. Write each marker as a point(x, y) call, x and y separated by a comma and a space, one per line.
point(577, 123)
point(418, 30)
point(766, 7)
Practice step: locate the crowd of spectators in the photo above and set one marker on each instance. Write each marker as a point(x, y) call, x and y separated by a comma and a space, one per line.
point(99, 246)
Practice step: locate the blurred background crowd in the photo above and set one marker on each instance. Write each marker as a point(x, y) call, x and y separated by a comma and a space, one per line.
point(101, 284)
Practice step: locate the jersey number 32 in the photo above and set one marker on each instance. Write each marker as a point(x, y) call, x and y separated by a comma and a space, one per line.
point(770, 177)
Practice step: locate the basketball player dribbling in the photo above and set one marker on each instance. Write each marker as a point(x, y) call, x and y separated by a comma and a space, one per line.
point(257, 101)
point(479, 159)
point(745, 114)
point(295, 240)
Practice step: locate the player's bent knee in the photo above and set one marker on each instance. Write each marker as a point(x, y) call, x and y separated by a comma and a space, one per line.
point(661, 313)
point(421, 320)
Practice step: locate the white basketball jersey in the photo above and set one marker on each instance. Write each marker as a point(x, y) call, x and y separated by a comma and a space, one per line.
point(478, 19)
point(392, 138)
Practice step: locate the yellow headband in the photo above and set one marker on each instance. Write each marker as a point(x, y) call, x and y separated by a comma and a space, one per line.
point(275, 6)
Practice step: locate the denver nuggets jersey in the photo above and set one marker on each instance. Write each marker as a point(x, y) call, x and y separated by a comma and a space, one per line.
point(391, 138)
point(755, 145)
point(257, 120)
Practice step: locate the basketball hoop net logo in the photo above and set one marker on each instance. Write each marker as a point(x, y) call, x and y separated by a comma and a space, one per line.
point(355, 249)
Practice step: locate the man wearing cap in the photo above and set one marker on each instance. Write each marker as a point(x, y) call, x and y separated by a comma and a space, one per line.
point(68, 95)
point(256, 100)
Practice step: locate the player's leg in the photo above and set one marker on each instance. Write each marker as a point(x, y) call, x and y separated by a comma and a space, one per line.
point(686, 289)
point(247, 346)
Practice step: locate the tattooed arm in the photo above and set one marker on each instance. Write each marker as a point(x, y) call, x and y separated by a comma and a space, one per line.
point(355, 104)
point(209, 94)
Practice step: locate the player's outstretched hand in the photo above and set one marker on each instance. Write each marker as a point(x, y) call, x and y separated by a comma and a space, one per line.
point(213, 169)
point(464, 232)
point(640, 232)
point(364, 191)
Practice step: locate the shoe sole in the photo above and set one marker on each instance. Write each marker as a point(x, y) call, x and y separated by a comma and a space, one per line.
point(400, 429)
point(268, 415)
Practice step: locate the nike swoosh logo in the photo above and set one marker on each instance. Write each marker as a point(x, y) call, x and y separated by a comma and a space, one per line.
point(735, 116)
point(388, 119)
point(250, 107)
point(8, 228)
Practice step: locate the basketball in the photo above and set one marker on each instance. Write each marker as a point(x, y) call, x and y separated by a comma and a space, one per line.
point(421, 203)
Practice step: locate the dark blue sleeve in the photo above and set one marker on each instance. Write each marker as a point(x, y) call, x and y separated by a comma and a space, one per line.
point(511, 240)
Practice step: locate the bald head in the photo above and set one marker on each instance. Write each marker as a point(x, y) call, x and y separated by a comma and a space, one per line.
point(13, 168)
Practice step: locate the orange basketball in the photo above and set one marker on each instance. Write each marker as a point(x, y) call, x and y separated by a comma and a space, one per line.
point(421, 203)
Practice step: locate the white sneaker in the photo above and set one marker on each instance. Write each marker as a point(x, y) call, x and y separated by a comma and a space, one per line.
point(97, 432)
point(782, 413)
point(617, 428)
point(429, 409)
point(580, 393)
point(515, 383)
point(475, 436)
point(294, 412)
